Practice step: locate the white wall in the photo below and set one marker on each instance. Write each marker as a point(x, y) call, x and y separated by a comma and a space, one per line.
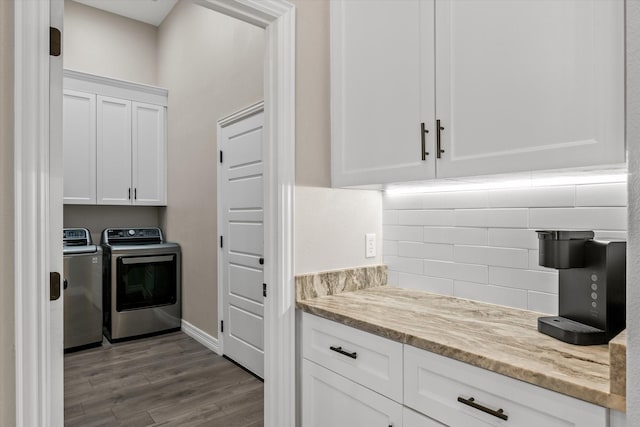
point(110, 45)
point(212, 66)
point(7, 324)
point(633, 250)
point(330, 228)
point(482, 245)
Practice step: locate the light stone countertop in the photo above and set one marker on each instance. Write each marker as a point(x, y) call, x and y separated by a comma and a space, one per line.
point(501, 339)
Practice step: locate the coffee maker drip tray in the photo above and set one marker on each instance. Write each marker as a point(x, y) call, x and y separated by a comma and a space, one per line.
point(572, 332)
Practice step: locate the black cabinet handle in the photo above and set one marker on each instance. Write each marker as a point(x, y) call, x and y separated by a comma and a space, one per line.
point(439, 130)
point(129, 193)
point(353, 355)
point(65, 284)
point(261, 261)
point(423, 132)
point(472, 402)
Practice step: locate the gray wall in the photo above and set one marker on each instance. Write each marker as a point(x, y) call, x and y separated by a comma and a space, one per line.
point(7, 347)
point(110, 45)
point(212, 66)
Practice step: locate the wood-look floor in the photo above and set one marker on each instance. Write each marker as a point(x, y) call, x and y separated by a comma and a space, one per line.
point(168, 380)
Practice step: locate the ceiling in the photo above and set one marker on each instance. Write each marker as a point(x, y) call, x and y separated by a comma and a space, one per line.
point(150, 11)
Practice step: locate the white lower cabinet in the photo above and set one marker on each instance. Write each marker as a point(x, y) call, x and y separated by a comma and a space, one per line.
point(412, 418)
point(339, 389)
point(460, 395)
point(329, 399)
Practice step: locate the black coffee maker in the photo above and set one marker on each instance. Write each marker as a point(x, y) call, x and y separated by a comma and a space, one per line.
point(592, 286)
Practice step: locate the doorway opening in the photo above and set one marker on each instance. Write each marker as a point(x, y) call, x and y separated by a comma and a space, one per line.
point(38, 385)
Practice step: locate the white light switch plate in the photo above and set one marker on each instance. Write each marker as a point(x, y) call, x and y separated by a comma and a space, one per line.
point(370, 245)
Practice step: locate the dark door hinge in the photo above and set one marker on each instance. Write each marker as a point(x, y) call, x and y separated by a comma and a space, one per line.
point(264, 290)
point(55, 41)
point(221, 241)
point(220, 156)
point(222, 326)
point(54, 286)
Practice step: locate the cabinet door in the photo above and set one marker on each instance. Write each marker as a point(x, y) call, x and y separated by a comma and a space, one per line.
point(382, 88)
point(329, 399)
point(527, 84)
point(149, 154)
point(79, 141)
point(414, 419)
point(114, 151)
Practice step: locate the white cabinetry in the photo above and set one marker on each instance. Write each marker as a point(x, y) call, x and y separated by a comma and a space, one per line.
point(114, 151)
point(519, 85)
point(382, 90)
point(332, 400)
point(79, 135)
point(349, 378)
point(123, 138)
point(461, 395)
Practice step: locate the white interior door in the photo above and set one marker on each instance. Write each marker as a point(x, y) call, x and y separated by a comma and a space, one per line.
point(242, 240)
point(54, 229)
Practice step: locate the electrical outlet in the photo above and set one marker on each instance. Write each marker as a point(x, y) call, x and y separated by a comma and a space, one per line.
point(370, 245)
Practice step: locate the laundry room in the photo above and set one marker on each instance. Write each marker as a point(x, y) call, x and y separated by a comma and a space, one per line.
point(146, 86)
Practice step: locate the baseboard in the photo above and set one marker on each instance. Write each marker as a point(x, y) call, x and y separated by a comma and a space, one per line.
point(202, 337)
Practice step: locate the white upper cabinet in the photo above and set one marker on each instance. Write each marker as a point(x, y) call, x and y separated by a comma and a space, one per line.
point(114, 151)
point(149, 154)
point(115, 141)
point(382, 75)
point(79, 136)
point(529, 84)
point(519, 85)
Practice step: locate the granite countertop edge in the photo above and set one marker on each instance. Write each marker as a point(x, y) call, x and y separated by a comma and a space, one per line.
point(593, 394)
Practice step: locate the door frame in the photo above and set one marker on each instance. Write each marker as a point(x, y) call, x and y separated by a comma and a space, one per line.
point(33, 177)
point(222, 123)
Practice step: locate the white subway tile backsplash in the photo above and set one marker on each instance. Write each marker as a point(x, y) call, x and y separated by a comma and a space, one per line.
point(425, 250)
point(439, 235)
point(399, 232)
point(492, 294)
point(389, 217)
point(542, 303)
point(458, 271)
point(503, 257)
point(510, 218)
point(533, 197)
point(482, 244)
point(534, 256)
point(406, 265)
point(535, 280)
point(426, 283)
point(513, 238)
point(602, 194)
point(610, 235)
point(392, 278)
point(470, 236)
point(578, 218)
point(389, 247)
point(456, 200)
point(402, 201)
point(427, 217)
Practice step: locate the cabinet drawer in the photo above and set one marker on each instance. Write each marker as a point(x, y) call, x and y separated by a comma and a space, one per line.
point(367, 359)
point(433, 385)
point(329, 399)
point(412, 418)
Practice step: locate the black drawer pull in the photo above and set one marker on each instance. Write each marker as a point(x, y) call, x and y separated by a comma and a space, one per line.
point(353, 355)
point(472, 402)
